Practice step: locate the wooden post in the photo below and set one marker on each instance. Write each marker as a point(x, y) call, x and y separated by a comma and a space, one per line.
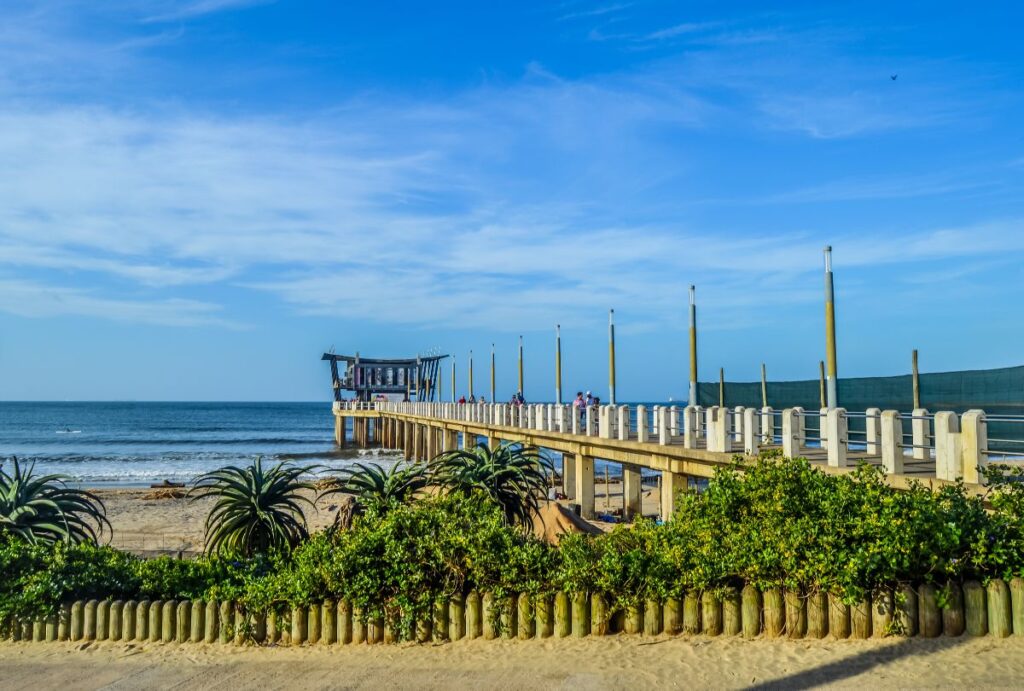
point(751, 611)
point(774, 613)
point(673, 612)
point(817, 614)
point(691, 613)
point(930, 624)
point(474, 615)
point(711, 614)
point(344, 622)
point(1017, 605)
point(580, 615)
point(442, 623)
point(545, 617)
point(732, 613)
point(954, 621)
point(1000, 614)
point(975, 608)
point(563, 615)
point(796, 614)
point(598, 615)
point(860, 618)
point(838, 617)
point(487, 612)
point(652, 617)
point(634, 623)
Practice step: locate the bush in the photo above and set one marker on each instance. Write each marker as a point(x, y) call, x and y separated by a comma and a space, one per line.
point(778, 523)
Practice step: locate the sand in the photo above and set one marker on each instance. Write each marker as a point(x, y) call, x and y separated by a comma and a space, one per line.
point(176, 524)
point(612, 662)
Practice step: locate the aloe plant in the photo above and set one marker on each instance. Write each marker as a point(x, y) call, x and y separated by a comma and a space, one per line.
point(45, 509)
point(256, 509)
point(510, 475)
point(379, 489)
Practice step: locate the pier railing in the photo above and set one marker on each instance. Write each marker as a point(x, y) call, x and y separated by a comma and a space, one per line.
point(944, 444)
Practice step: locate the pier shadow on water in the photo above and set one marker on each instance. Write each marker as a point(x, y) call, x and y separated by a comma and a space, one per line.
point(865, 661)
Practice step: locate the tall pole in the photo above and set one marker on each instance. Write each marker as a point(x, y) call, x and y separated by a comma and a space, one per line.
point(611, 357)
point(558, 364)
point(822, 394)
point(492, 374)
point(830, 332)
point(521, 390)
point(764, 387)
point(453, 378)
point(693, 347)
point(471, 374)
point(917, 380)
point(721, 386)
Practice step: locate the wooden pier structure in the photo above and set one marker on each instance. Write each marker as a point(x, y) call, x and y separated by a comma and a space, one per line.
point(681, 443)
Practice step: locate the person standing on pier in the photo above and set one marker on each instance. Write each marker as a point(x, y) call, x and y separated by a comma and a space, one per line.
point(580, 405)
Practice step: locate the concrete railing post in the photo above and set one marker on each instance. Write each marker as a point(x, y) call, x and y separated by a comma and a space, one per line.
point(751, 435)
point(891, 442)
point(643, 426)
point(663, 430)
point(974, 441)
point(690, 425)
point(590, 414)
point(737, 424)
point(623, 422)
point(767, 425)
point(919, 429)
point(674, 428)
point(948, 446)
point(837, 425)
point(790, 433)
point(604, 426)
point(872, 430)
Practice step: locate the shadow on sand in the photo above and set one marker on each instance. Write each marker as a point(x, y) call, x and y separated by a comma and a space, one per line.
point(860, 663)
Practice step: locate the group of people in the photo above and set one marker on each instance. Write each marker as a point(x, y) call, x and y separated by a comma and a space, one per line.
point(517, 399)
point(581, 404)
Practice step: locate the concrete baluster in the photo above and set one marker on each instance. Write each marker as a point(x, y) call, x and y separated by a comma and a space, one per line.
point(974, 442)
point(891, 424)
point(663, 429)
point(591, 413)
point(790, 433)
point(948, 446)
point(751, 436)
point(737, 424)
point(837, 425)
point(767, 425)
point(643, 427)
point(674, 426)
point(872, 430)
point(919, 430)
point(623, 422)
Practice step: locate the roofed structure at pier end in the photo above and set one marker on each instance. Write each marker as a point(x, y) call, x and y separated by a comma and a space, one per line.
point(415, 379)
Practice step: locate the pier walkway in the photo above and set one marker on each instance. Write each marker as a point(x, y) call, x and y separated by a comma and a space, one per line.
point(688, 442)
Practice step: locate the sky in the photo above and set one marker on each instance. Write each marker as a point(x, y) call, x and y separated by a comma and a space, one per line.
point(199, 197)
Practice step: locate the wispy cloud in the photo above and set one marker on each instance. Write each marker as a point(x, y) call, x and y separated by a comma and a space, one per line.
point(176, 10)
point(598, 11)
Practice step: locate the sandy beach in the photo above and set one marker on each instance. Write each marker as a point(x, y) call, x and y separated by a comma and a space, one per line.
point(594, 663)
point(146, 525)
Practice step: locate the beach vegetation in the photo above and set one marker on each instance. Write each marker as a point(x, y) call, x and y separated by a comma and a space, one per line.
point(45, 509)
point(776, 523)
point(378, 489)
point(511, 476)
point(256, 510)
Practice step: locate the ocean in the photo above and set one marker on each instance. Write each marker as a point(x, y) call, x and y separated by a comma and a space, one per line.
point(133, 444)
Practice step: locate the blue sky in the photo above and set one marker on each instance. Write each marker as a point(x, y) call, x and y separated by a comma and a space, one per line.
point(197, 197)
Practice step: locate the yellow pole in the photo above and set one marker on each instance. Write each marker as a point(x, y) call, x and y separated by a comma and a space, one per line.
point(611, 357)
point(492, 374)
point(471, 374)
point(558, 364)
point(453, 378)
point(521, 366)
point(721, 386)
point(821, 383)
point(764, 387)
point(830, 333)
point(917, 380)
point(693, 347)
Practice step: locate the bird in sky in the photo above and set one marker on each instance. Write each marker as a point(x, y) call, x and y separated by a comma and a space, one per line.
point(893, 76)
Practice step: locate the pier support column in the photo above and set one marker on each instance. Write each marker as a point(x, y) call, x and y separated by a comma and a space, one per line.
point(671, 485)
point(569, 475)
point(339, 430)
point(631, 491)
point(585, 485)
